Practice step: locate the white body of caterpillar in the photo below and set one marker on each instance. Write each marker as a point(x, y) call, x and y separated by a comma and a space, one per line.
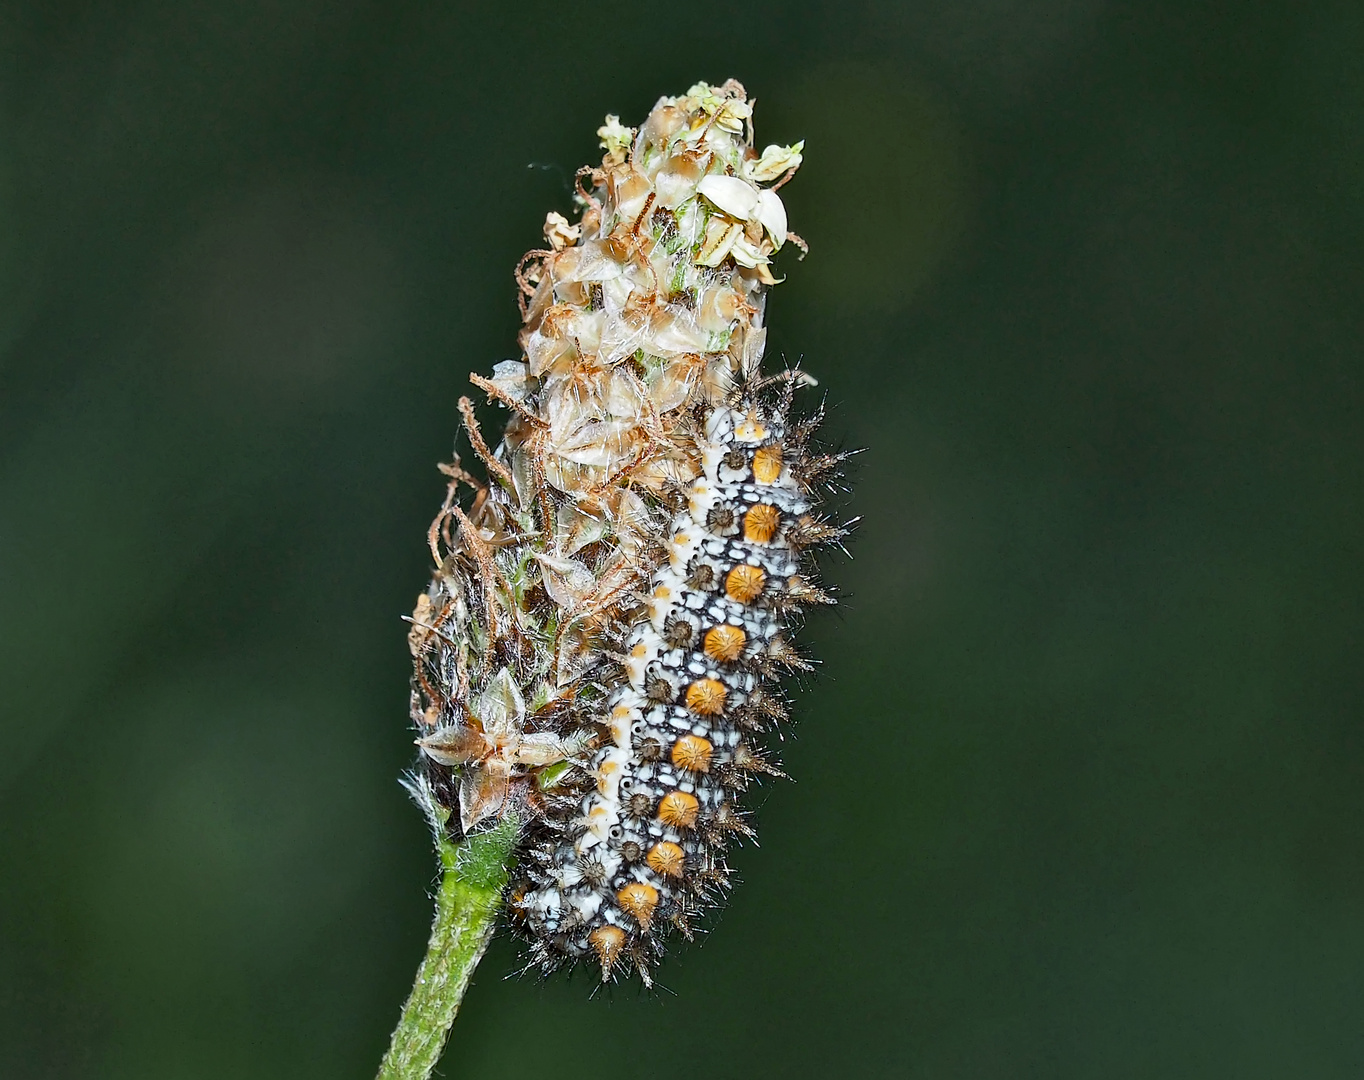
point(649, 843)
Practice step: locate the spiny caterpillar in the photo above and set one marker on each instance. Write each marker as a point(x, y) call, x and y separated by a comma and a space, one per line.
point(600, 647)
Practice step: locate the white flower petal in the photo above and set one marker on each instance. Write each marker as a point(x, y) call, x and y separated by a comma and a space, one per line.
point(559, 232)
point(745, 254)
point(775, 160)
point(735, 197)
point(731, 116)
point(615, 138)
point(772, 214)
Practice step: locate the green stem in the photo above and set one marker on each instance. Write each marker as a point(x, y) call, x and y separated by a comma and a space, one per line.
point(474, 873)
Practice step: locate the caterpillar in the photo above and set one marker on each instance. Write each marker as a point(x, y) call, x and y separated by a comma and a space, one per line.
point(601, 646)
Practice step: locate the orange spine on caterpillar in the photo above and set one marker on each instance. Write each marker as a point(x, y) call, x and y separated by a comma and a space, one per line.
point(601, 645)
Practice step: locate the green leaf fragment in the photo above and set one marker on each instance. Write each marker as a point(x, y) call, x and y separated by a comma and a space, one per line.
point(549, 776)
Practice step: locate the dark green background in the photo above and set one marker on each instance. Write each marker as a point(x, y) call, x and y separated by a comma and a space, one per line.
point(1080, 787)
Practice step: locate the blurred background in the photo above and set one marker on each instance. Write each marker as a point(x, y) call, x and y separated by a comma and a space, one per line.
point(1080, 784)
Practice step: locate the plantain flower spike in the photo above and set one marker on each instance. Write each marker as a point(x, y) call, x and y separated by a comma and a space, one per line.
point(651, 303)
point(643, 319)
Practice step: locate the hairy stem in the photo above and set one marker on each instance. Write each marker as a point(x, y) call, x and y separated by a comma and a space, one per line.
point(474, 873)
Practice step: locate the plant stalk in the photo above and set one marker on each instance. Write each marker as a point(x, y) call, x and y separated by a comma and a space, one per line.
point(473, 874)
